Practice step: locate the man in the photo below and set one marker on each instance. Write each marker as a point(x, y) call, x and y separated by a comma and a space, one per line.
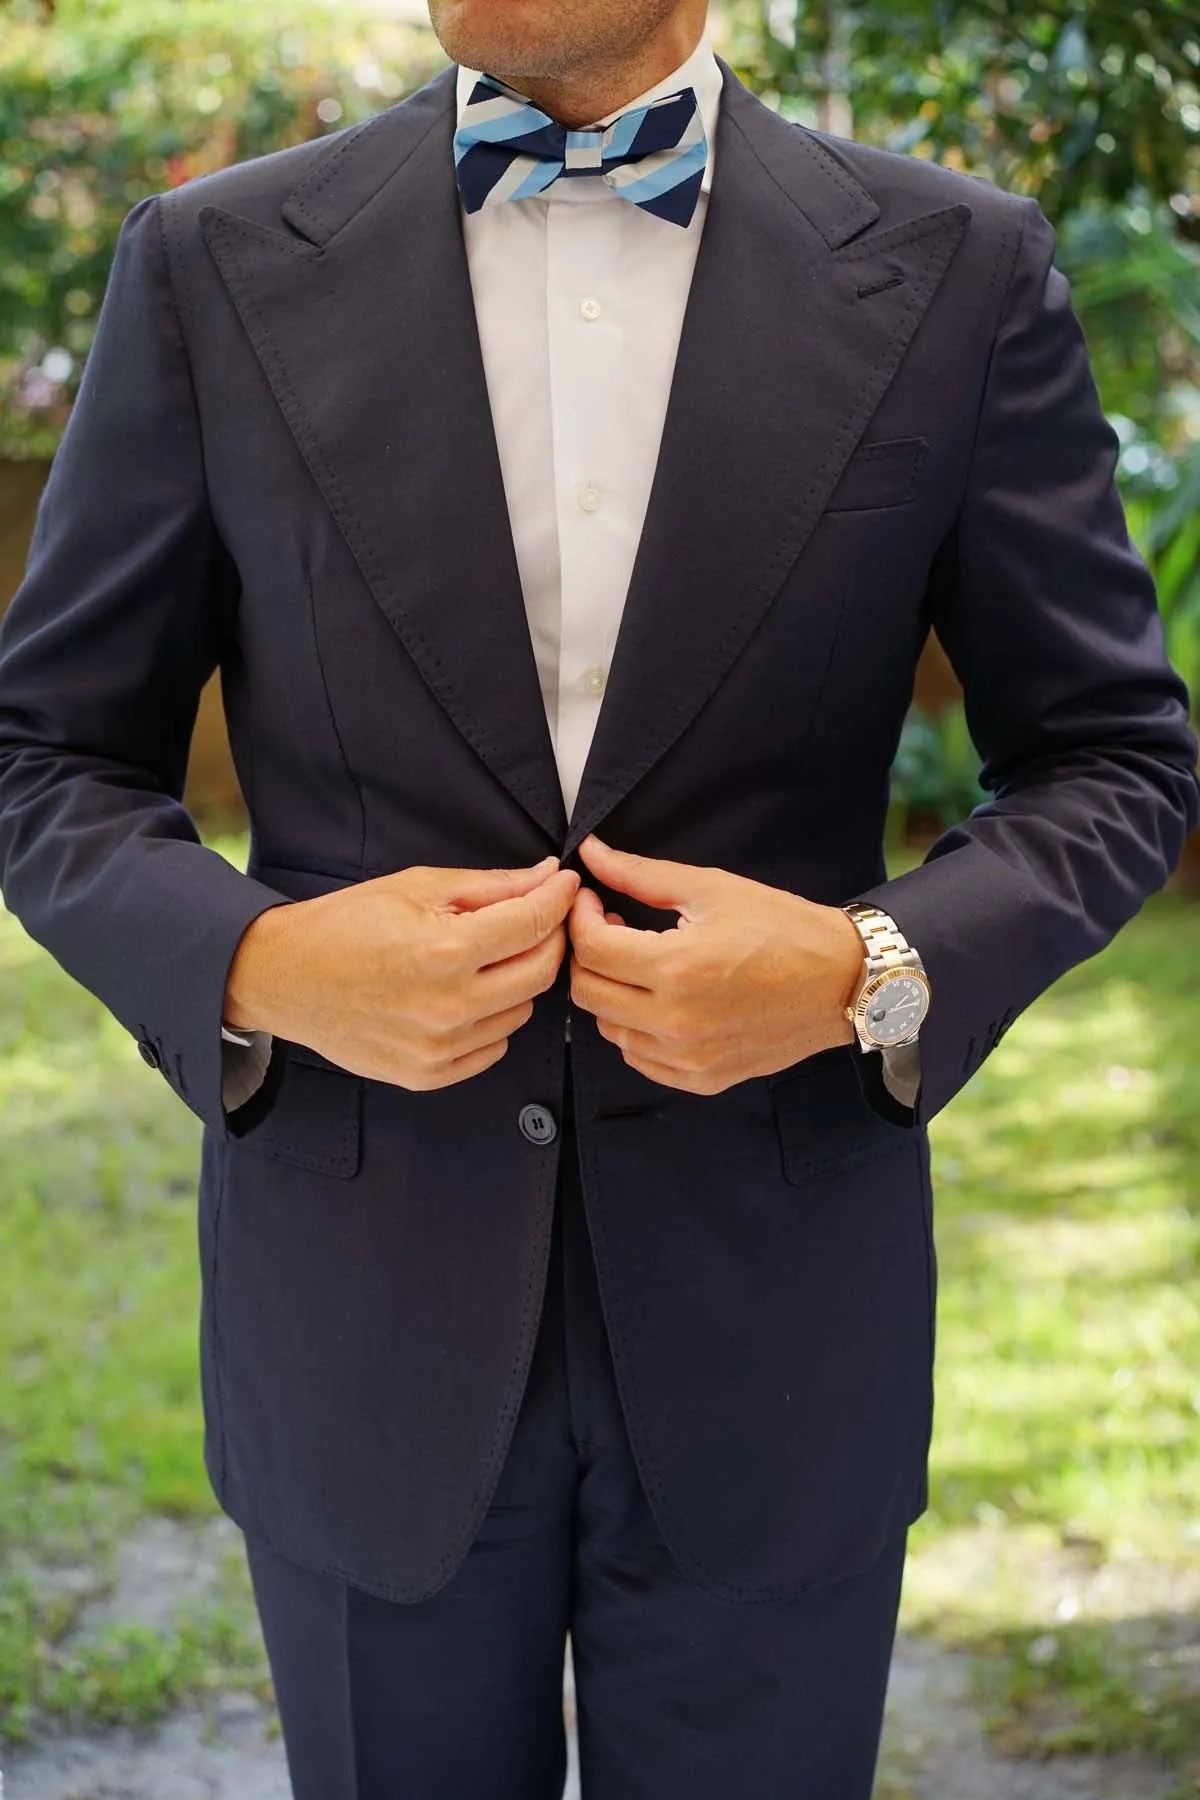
point(572, 460)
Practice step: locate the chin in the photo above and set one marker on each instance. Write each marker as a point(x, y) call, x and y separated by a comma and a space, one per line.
point(508, 38)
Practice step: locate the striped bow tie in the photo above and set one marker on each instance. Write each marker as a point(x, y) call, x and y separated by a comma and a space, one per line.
point(506, 148)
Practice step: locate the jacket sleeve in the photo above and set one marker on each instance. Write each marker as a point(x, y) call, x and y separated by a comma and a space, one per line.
point(1050, 619)
point(127, 603)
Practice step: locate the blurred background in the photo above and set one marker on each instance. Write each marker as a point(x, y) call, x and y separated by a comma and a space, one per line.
point(1051, 1642)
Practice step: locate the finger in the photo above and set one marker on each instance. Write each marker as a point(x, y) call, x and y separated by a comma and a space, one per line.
point(666, 1075)
point(681, 886)
point(508, 927)
point(469, 889)
point(622, 952)
point(652, 1046)
point(634, 1008)
point(588, 900)
point(465, 1039)
point(521, 977)
point(588, 905)
point(462, 1068)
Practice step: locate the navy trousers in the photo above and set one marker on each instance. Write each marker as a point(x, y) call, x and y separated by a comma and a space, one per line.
point(679, 1696)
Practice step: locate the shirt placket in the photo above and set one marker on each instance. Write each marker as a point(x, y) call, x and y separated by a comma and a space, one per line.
point(586, 333)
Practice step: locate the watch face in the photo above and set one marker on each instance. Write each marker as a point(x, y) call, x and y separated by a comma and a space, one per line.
point(894, 1009)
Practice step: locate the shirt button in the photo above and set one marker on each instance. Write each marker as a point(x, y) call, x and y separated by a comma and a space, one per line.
point(593, 680)
point(589, 499)
point(149, 1054)
point(591, 309)
point(537, 1125)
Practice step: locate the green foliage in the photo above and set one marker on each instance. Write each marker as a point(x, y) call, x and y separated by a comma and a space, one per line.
point(1136, 286)
point(1080, 1691)
point(935, 777)
point(1095, 109)
point(115, 99)
point(1167, 529)
point(1074, 100)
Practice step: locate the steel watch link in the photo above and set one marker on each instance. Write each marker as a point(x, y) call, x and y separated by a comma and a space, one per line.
point(893, 998)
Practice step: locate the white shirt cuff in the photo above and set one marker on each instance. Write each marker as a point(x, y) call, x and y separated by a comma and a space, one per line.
point(244, 1059)
point(902, 1072)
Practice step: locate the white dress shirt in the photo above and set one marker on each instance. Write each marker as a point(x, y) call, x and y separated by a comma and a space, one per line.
point(579, 299)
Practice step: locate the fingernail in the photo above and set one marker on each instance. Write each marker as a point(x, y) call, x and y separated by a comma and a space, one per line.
point(545, 862)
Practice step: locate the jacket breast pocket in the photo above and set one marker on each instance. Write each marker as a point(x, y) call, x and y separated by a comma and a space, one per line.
point(315, 1121)
point(880, 475)
point(824, 1122)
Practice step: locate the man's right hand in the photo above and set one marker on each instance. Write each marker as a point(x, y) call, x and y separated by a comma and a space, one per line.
point(417, 978)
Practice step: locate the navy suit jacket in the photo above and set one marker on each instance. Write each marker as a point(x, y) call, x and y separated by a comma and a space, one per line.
point(281, 464)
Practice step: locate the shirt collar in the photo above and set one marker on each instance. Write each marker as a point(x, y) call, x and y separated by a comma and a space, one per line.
point(701, 71)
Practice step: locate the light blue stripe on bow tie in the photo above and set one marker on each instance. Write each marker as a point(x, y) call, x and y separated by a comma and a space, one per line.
point(653, 156)
point(661, 181)
point(500, 130)
point(536, 182)
point(623, 131)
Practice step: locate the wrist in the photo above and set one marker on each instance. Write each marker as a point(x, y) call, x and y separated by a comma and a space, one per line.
point(252, 986)
point(852, 960)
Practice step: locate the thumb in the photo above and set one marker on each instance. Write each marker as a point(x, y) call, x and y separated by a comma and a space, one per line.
point(680, 886)
point(465, 890)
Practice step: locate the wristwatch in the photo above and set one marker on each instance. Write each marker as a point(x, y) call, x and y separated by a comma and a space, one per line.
point(893, 997)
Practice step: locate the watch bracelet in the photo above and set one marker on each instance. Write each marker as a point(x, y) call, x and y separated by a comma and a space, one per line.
point(884, 944)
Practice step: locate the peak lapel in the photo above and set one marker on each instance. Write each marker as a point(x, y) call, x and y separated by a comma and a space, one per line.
point(795, 326)
point(365, 329)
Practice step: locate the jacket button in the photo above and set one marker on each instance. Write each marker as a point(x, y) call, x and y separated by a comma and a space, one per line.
point(149, 1054)
point(538, 1125)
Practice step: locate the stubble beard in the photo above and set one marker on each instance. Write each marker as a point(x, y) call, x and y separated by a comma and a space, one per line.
point(566, 42)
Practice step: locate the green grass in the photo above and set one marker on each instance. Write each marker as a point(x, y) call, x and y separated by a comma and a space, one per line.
point(1063, 1542)
point(1068, 1182)
point(1067, 1451)
point(1096, 1701)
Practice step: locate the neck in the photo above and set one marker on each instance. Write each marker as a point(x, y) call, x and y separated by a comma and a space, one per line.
point(583, 98)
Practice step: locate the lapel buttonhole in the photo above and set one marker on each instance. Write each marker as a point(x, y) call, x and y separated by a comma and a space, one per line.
point(880, 284)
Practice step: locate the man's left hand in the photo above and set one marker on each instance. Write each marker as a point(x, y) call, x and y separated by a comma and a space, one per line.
point(750, 979)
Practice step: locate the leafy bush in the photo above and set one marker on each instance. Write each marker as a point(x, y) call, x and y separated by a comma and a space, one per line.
point(110, 100)
point(935, 777)
point(1092, 106)
point(1136, 285)
point(1076, 101)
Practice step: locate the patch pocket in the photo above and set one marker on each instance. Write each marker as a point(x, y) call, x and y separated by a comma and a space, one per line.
point(880, 475)
point(823, 1120)
point(316, 1119)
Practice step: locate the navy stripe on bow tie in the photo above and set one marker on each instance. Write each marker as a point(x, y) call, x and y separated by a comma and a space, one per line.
point(654, 156)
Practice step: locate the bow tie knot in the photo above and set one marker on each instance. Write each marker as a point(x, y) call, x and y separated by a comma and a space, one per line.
point(654, 155)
